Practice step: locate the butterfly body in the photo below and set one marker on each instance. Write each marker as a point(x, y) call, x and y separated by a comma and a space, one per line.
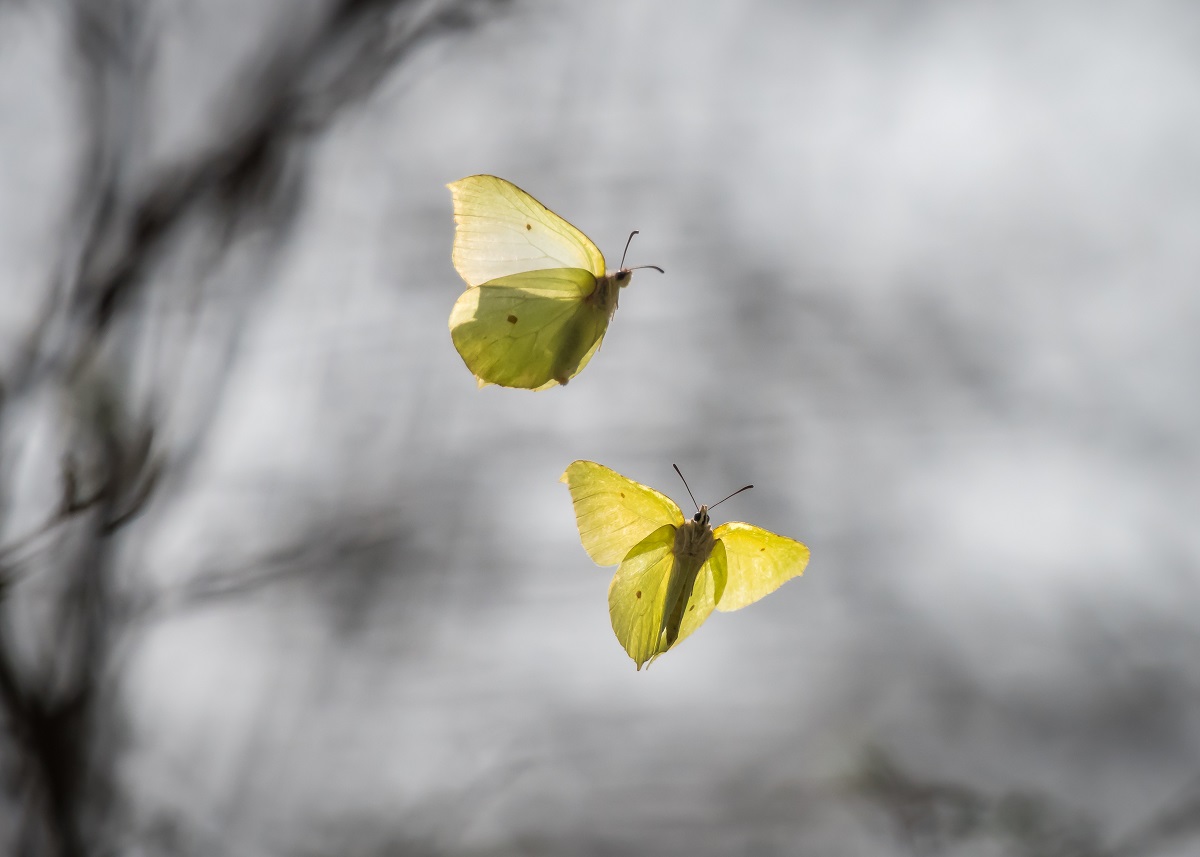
point(672, 572)
point(608, 288)
point(692, 548)
point(539, 297)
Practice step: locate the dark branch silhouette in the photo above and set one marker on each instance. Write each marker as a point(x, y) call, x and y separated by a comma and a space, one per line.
point(60, 715)
point(931, 816)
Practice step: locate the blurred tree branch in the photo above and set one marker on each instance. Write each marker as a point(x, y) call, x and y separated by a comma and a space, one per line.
point(930, 817)
point(61, 719)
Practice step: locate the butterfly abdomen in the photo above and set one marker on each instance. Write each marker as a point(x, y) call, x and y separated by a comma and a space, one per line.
point(693, 544)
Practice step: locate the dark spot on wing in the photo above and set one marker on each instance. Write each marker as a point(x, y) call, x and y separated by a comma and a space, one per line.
point(622, 493)
point(693, 607)
point(760, 550)
point(512, 319)
point(528, 226)
point(638, 593)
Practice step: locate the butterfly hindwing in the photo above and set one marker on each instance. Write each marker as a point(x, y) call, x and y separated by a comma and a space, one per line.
point(637, 595)
point(531, 330)
point(641, 594)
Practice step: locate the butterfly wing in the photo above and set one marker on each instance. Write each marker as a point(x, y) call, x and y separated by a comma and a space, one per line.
point(530, 330)
point(637, 596)
point(502, 230)
point(615, 513)
point(759, 562)
point(643, 587)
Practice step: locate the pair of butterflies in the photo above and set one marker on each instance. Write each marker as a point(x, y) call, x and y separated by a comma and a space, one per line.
point(538, 305)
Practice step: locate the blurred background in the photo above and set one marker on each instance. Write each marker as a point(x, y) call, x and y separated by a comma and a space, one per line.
point(277, 579)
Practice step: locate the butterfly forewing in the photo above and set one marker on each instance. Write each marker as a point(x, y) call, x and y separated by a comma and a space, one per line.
point(614, 513)
point(759, 562)
point(502, 230)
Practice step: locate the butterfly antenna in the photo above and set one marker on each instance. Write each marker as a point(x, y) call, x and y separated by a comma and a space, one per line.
point(734, 494)
point(688, 487)
point(626, 250)
point(639, 267)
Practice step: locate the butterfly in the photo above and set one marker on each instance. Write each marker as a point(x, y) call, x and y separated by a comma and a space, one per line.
point(672, 572)
point(539, 298)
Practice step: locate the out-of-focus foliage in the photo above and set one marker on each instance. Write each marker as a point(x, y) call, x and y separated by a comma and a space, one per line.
point(930, 817)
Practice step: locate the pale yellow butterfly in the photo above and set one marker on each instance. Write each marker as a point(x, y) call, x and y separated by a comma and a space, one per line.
point(539, 298)
point(673, 572)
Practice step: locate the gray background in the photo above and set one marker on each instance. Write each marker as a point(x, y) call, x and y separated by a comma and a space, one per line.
point(930, 285)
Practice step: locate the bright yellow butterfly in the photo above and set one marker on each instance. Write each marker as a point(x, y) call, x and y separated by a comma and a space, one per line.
point(672, 572)
point(539, 297)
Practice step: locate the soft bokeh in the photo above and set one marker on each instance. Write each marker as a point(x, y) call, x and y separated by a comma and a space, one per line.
point(930, 285)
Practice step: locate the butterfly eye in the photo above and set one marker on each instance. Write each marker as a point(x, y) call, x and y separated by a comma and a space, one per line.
point(696, 517)
point(622, 275)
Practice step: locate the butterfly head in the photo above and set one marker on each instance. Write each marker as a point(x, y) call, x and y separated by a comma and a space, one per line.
point(701, 516)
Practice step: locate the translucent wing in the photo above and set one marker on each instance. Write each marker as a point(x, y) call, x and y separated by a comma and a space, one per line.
point(615, 513)
point(638, 593)
point(502, 230)
point(759, 562)
point(530, 330)
point(638, 598)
